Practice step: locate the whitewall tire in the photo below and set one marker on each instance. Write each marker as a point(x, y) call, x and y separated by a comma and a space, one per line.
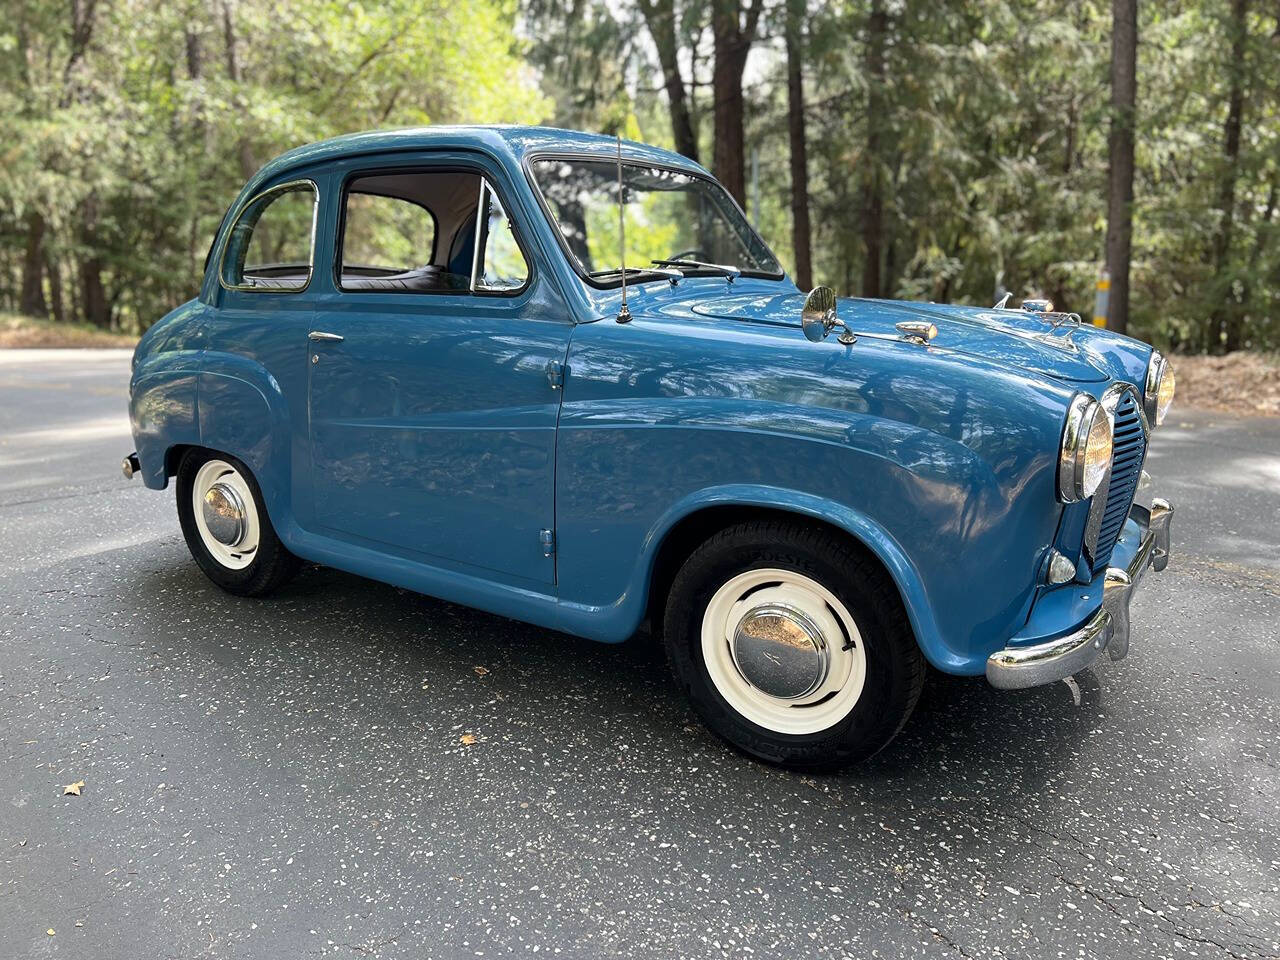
point(792, 644)
point(225, 523)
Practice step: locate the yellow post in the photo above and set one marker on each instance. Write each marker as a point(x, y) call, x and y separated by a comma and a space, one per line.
point(1102, 299)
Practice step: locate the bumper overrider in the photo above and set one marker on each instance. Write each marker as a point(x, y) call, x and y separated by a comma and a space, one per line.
point(1108, 629)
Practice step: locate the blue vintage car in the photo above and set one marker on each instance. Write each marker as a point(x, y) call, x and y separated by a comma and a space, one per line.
point(420, 356)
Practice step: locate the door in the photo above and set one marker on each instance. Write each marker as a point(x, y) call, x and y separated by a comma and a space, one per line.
point(433, 388)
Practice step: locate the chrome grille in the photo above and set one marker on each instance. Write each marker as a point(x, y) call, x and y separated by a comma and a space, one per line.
point(1130, 447)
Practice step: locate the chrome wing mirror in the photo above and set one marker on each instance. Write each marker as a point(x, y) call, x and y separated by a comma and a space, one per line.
point(818, 318)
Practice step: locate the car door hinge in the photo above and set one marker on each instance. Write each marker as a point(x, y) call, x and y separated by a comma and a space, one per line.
point(555, 374)
point(548, 540)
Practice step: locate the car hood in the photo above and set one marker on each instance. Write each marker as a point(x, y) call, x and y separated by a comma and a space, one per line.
point(1010, 338)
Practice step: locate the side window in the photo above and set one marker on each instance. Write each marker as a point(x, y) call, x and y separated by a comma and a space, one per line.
point(270, 246)
point(427, 231)
point(501, 265)
point(386, 235)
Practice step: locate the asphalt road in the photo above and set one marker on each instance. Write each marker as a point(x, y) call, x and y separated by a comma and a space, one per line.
point(286, 778)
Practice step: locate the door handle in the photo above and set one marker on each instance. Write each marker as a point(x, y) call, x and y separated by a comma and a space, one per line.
point(321, 335)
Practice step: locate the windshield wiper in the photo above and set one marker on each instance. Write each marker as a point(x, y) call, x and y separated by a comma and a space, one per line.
point(672, 275)
point(731, 273)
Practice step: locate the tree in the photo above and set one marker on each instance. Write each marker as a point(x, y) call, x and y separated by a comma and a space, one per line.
point(1124, 85)
point(796, 138)
point(132, 125)
point(733, 30)
point(660, 18)
point(873, 173)
point(1226, 315)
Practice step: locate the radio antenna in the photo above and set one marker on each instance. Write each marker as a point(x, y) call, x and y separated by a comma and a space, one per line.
point(624, 315)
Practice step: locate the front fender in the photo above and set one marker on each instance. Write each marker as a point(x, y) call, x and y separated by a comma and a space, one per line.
point(852, 521)
point(942, 465)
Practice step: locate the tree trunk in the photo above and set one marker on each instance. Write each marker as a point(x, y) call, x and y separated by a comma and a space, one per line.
point(731, 42)
point(93, 296)
point(1124, 85)
point(1226, 314)
point(231, 42)
point(33, 303)
point(729, 139)
point(93, 293)
point(82, 13)
point(195, 53)
point(872, 175)
point(660, 17)
point(56, 303)
point(799, 155)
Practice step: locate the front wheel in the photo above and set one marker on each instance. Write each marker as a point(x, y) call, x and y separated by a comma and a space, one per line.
point(225, 523)
point(793, 644)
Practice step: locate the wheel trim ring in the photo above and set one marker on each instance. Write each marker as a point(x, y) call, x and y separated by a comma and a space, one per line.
point(211, 473)
point(835, 697)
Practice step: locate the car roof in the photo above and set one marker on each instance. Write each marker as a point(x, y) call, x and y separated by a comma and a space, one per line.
point(512, 142)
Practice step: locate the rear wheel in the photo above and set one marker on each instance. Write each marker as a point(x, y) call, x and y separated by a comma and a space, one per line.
point(225, 523)
point(793, 644)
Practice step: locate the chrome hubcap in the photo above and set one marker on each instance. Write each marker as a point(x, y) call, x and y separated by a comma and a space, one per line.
point(224, 514)
point(780, 651)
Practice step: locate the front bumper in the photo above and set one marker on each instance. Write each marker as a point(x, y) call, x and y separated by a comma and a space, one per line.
point(1108, 629)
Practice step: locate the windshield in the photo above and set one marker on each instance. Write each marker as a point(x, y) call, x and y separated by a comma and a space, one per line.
point(670, 216)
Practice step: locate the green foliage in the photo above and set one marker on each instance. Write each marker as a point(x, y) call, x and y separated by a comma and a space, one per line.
point(993, 148)
point(129, 150)
point(128, 127)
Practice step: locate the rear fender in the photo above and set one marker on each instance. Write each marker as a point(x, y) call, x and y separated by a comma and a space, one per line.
point(164, 410)
point(244, 413)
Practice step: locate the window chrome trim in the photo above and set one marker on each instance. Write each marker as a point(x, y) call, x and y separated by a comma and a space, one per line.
point(311, 253)
point(475, 243)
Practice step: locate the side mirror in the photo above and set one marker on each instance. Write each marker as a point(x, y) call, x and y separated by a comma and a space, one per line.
point(818, 317)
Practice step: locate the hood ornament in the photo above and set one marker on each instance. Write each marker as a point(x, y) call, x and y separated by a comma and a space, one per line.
point(917, 331)
point(818, 317)
point(1055, 318)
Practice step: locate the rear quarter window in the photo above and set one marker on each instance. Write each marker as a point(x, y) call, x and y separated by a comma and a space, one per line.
point(271, 243)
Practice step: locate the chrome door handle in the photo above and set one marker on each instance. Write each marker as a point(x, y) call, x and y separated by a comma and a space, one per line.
point(321, 335)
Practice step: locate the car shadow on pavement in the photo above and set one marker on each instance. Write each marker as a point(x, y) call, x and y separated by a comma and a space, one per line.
point(500, 672)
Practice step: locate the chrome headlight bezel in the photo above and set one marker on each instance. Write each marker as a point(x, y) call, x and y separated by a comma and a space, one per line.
point(1157, 369)
point(1084, 415)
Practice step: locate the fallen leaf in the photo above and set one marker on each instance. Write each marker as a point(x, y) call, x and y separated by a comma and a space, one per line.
point(468, 739)
point(73, 789)
point(49, 931)
point(480, 671)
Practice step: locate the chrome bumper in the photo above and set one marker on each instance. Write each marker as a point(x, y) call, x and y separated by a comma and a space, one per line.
point(1016, 667)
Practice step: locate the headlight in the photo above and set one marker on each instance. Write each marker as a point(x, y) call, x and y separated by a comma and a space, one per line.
point(1158, 395)
point(1086, 449)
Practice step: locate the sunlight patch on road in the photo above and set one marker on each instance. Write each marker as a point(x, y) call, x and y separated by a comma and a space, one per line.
point(115, 426)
